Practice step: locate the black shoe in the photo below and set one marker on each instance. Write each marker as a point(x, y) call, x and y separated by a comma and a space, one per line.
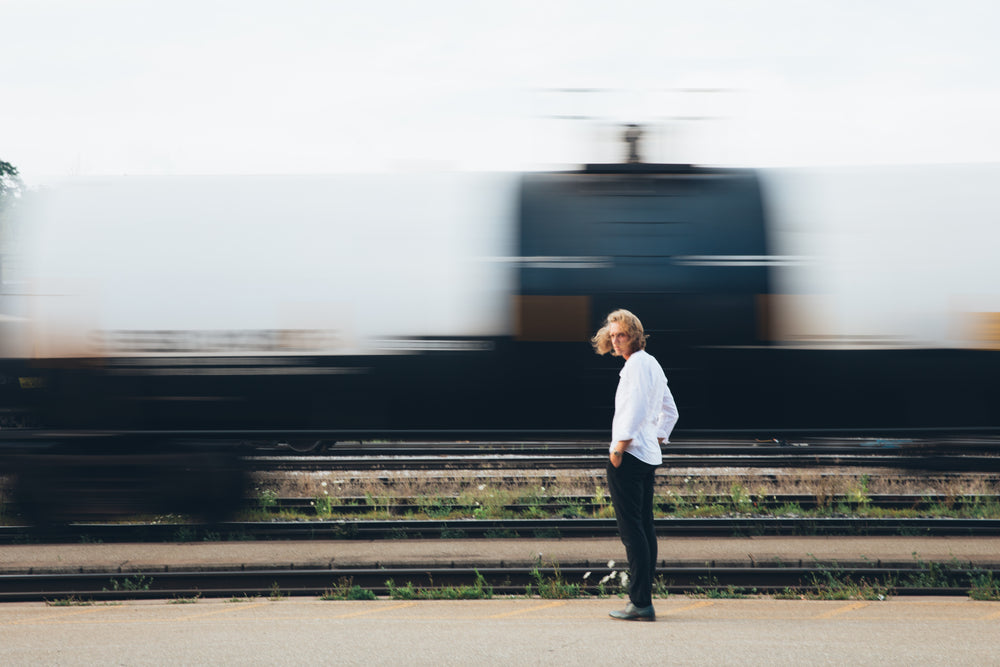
point(633, 613)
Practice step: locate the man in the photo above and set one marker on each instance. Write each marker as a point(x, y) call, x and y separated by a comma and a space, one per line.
point(645, 415)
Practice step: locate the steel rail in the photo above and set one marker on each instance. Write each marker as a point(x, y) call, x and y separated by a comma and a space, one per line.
point(704, 446)
point(343, 529)
point(932, 463)
point(571, 506)
point(575, 579)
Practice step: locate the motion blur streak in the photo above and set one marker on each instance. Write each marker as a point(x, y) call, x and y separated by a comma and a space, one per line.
point(159, 316)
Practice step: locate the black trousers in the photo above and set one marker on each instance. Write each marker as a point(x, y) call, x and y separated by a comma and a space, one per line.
point(631, 487)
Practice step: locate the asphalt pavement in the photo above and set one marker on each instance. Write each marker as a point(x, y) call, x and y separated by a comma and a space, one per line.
point(688, 631)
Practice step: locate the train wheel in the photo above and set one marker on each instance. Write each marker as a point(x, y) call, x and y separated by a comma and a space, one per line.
point(307, 445)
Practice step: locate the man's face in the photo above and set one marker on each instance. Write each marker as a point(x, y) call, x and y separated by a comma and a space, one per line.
point(620, 340)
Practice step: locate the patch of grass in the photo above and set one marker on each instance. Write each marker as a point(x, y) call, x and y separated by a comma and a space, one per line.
point(438, 507)
point(713, 591)
point(323, 505)
point(267, 500)
point(661, 587)
point(554, 587)
point(985, 586)
point(858, 495)
point(187, 600)
point(740, 498)
point(71, 601)
point(546, 533)
point(236, 598)
point(571, 511)
point(479, 590)
point(602, 504)
point(344, 530)
point(978, 507)
point(934, 575)
point(789, 509)
point(346, 589)
point(835, 584)
point(500, 533)
point(131, 584)
point(535, 512)
point(276, 594)
point(575, 495)
point(492, 503)
point(398, 533)
point(407, 592)
point(185, 534)
point(787, 594)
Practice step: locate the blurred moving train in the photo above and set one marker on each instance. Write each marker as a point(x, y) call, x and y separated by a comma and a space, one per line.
point(307, 310)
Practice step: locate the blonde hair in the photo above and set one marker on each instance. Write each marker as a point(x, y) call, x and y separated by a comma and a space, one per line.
point(629, 322)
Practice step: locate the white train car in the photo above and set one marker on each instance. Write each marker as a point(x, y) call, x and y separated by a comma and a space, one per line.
point(885, 257)
point(329, 265)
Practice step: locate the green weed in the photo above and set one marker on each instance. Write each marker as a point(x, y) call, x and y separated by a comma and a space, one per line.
point(985, 586)
point(131, 584)
point(740, 498)
point(479, 590)
point(323, 505)
point(500, 533)
point(346, 589)
point(934, 575)
point(554, 587)
point(437, 507)
point(835, 584)
point(71, 601)
point(267, 500)
point(858, 495)
point(713, 591)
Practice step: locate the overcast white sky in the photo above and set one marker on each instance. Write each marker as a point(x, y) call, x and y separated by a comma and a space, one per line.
point(297, 86)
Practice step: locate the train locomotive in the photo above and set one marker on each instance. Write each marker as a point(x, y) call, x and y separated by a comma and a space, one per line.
point(178, 315)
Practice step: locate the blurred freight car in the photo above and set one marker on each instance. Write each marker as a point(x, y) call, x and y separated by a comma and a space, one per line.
point(309, 309)
point(369, 305)
point(372, 305)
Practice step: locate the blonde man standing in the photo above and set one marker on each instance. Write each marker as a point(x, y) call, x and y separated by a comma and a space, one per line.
point(645, 415)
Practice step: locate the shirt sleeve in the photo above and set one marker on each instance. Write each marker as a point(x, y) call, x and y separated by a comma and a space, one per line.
point(668, 414)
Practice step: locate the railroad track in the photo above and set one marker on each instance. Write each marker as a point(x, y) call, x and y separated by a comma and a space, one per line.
point(959, 463)
point(980, 455)
point(584, 506)
point(573, 579)
point(714, 445)
point(492, 529)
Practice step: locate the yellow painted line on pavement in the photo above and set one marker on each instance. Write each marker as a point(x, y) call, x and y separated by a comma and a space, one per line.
point(696, 605)
point(56, 617)
point(990, 617)
point(529, 609)
point(843, 610)
point(377, 610)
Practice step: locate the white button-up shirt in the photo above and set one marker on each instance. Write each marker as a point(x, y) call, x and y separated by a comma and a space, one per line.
point(644, 408)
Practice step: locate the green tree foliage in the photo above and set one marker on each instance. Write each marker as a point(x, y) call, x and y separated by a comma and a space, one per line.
point(11, 185)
